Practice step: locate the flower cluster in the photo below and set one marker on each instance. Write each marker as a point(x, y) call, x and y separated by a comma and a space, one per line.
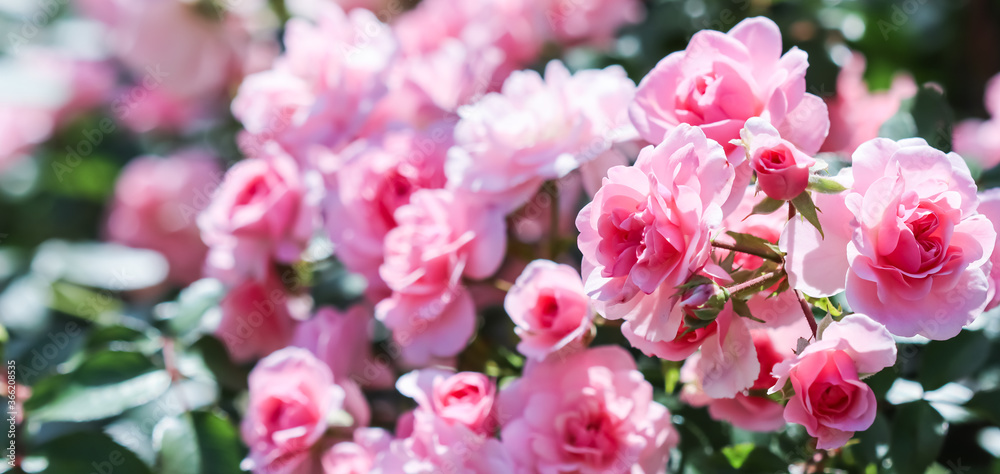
point(532, 236)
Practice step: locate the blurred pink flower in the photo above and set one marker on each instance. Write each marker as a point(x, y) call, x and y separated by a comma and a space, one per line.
point(356, 456)
point(649, 229)
point(156, 203)
point(438, 240)
point(464, 398)
point(978, 140)
point(323, 89)
point(508, 143)
point(291, 395)
point(590, 412)
point(550, 308)
point(857, 114)
point(264, 211)
point(989, 206)
point(256, 318)
point(916, 246)
point(377, 176)
point(343, 341)
point(590, 21)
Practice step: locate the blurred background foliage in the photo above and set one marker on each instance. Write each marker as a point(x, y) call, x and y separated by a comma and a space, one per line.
point(143, 386)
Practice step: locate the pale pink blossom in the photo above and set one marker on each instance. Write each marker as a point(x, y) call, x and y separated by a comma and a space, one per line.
point(358, 455)
point(590, 412)
point(156, 203)
point(508, 143)
point(916, 249)
point(856, 114)
point(324, 87)
point(550, 308)
point(264, 211)
point(978, 140)
point(291, 395)
point(590, 21)
point(439, 238)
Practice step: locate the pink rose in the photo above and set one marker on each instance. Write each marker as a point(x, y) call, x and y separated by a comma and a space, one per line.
point(444, 448)
point(256, 318)
point(356, 456)
point(856, 115)
point(155, 205)
point(550, 308)
point(323, 89)
point(590, 21)
point(649, 229)
point(721, 80)
point(591, 412)
point(264, 211)
point(989, 206)
point(378, 176)
point(782, 169)
point(916, 246)
point(342, 340)
point(508, 143)
point(464, 398)
point(439, 238)
point(830, 400)
point(291, 395)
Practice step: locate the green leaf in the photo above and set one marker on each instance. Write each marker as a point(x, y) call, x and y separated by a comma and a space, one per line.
point(219, 442)
point(825, 185)
point(737, 454)
point(986, 404)
point(767, 206)
point(185, 315)
point(755, 244)
point(873, 443)
point(917, 435)
point(804, 204)
point(177, 446)
point(899, 126)
point(89, 452)
point(946, 361)
point(105, 385)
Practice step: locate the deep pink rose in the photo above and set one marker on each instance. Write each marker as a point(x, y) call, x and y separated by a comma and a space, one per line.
point(590, 412)
point(989, 206)
point(157, 201)
point(782, 169)
point(256, 318)
point(439, 238)
point(830, 400)
point(549, 307)
point(856, 115)
point(508, 143)
point(915, 246)
point(263, 212)
point(649, 229)
point(291, 395)
point(378, 175)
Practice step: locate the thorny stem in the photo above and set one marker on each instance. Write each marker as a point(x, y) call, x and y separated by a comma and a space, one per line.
point(808, 313)
point(738, 248)
point(772, 277)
